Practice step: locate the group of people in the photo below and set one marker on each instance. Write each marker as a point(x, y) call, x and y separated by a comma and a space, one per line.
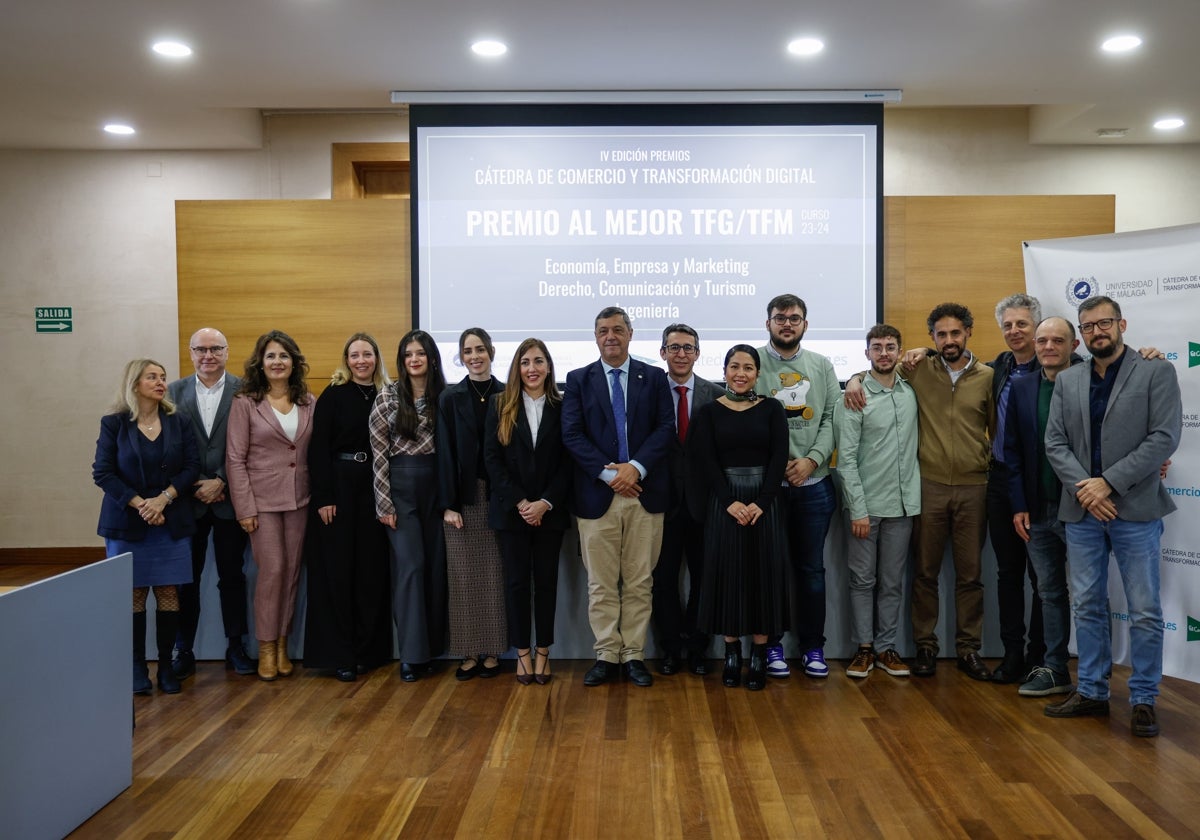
point(1059, 459)
point(455, 499)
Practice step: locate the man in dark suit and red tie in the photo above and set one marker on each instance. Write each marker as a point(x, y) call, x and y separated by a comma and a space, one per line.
point(683, 537)
point(618, 423)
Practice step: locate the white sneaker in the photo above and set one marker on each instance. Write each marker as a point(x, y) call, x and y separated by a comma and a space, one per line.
point(776, 663)
point(814, 663)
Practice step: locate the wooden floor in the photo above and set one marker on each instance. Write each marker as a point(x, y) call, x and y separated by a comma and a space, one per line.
point(882, 757)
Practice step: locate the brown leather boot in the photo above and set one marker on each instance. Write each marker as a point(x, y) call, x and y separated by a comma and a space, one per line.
point(285, 665)
point(268, 664)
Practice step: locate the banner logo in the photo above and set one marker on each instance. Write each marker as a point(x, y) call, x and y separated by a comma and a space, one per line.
point(1193, 354)
point(1080, 289)
point(1193, 629)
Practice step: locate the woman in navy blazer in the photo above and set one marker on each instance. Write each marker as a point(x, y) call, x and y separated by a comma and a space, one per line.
point(266, 460)
point(530, 474)
point(146, 457)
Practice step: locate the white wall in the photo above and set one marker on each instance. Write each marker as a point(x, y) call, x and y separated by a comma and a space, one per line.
point(95, 231)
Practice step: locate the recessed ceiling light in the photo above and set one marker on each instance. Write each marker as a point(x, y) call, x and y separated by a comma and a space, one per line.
point(1121, 43)
point(119, 128)
point(488, 48)
point(805, 46)
point(1111, 132)
point(172, 49)
point(1168, 123)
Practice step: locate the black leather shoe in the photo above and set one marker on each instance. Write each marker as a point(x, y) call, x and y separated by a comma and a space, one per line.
point(1076, 705)
point(238, 661)
point(731, 676)
point(697, 663)
point(756, 672)
point(463, 674)
point(346, 674)
point(971, 665)
point(925, 665)
point(669, 664)
point(408, 672)
point(600, 673)
point(141, 679)
point(168, 683)
point(1010, 670)
point(638, 674)
point(1143, 723)
point(486, 673)
point(185, 664)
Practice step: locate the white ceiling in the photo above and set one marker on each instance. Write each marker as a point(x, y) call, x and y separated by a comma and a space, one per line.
point(69, 66)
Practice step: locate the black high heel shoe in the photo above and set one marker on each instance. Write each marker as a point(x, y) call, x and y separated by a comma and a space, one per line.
point(732, 675)
point(756, 674)
point(524, 668)
point(541, 666)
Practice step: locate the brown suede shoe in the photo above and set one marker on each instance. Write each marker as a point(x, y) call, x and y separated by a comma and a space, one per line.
point(1076, 705)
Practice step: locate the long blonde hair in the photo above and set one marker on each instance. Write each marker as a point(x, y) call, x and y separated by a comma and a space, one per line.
point(508, 402)
point(126, 402)
point(342, 374)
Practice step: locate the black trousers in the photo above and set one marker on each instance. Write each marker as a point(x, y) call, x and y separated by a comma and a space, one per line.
point(530, 556)
point(675, 616)
point(229, 549)
point(1012, 565)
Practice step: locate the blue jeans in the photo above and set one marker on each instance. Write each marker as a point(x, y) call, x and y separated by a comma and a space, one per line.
point(1136, 548)
point(1047, 548)
point(807, 512)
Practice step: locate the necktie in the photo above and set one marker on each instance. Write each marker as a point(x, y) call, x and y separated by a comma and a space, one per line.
point(681, 417)
point(618, 405)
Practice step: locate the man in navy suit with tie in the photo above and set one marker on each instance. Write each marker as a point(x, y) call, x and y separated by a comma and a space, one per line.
point(204, 399)
point(618, 424)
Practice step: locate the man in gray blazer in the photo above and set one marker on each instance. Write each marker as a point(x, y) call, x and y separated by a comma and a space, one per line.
point(1112, 424)
point(204, 399)
point(674, 623)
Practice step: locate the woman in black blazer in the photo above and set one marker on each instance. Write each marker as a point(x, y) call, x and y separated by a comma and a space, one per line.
point(474, 573)
point(146, 457)
point(530, 473)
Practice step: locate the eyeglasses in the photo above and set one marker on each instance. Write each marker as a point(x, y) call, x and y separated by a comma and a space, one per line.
point(780, 320)
point(208, 351)
point(1103, 323)
point(681, 348)
point(877, 349)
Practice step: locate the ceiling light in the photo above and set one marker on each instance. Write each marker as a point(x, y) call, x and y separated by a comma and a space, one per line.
point(1168, 123)
point(805, 46)
point(1121, 43)
point(489, 49)
point(1111, 132)
point(119, 128)
point(172, 49)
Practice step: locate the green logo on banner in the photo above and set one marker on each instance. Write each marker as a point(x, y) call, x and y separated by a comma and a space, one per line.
point(1193, 629)
point(1193, 354)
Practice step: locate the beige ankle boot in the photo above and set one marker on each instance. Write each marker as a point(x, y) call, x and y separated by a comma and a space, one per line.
point(268, 665)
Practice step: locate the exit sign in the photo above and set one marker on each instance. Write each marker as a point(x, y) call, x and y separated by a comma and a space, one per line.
point(53, 319)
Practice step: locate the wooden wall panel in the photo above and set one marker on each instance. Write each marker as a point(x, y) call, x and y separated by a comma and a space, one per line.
point(968, 249)
point(318, 270)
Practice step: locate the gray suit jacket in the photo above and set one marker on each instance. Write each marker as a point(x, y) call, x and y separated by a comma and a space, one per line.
point(211, 447)
point(1140, 431)
point(705, 392)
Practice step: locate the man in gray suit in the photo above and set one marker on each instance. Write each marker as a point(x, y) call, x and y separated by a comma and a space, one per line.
point(674, 623)
point(204, 399)
point(1112, 424)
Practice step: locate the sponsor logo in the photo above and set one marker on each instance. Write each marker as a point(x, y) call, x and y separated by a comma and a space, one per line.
point(1193, 354)
point(1080, 289)
point(1193, 629)
point(1166, 625)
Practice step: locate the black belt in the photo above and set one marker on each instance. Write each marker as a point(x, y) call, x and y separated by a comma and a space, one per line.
point(360, 457)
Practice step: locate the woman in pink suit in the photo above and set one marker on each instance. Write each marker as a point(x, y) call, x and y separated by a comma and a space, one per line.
point(270, 423)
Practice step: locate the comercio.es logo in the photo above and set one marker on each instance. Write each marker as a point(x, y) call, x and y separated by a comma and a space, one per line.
point(1080, 289)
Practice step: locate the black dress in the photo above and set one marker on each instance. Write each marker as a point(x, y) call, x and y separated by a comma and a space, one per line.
point(741, 456)
point(348, 621)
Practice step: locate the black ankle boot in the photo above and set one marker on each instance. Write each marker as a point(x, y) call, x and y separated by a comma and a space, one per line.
point(732, 675)
point(756, 674)
point(166, 626)
point(141, 673)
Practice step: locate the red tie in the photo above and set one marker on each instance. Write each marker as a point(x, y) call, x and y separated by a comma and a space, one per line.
point(681, 419)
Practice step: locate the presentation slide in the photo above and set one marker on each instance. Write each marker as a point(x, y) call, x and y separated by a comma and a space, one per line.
point(530, 230)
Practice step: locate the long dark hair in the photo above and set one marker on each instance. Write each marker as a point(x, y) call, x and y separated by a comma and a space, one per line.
point(509, 400)
point(254, 380)
point(407, 419)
